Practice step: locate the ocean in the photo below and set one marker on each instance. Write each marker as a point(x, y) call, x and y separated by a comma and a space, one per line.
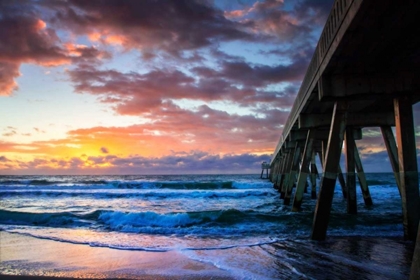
point(235, 223)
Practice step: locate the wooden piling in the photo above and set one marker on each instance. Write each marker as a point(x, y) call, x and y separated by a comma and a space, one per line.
point(407, 159)
point(332, 158)
point(304, 170)
point(351, 177)
point(293, 171)
point(279, 174)
point(339, 170)
point(415, 264)
point(275, 173)
point(392, 150)
point(313, 176)
point(283, 174)
point(362, 178)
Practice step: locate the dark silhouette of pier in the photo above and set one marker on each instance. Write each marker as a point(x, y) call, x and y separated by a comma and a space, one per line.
point(364, 73)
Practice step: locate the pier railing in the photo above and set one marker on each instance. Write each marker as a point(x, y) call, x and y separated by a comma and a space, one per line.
point(334, 21)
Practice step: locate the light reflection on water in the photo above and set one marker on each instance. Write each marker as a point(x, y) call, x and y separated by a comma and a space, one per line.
point(237, 224)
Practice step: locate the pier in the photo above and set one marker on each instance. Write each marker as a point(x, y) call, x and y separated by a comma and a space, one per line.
point(265, 166)
point(364, 73)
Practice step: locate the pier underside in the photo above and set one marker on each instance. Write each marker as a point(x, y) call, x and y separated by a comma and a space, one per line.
point(364, 73)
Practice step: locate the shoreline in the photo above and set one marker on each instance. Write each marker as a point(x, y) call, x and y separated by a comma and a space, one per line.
point(339, 257)
point(23, 257)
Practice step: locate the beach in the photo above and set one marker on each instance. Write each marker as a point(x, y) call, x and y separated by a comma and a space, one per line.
point(337, 258)
point(24, 255)
point(192, 227)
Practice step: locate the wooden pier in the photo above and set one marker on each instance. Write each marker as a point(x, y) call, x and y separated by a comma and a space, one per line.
point(364, 73)
point(265, 167)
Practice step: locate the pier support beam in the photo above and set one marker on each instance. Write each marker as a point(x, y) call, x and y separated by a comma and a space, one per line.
point(392, 150)
point(276, 173)
point(313, 176)
point(304, 170)
point(351, 177)
point(288, 178)
point(332, 158)
point(407, 158)
point(339, 170)
point(293, 171)
point(362, 178)
point(342, 182)
point(283, 176)
point(415, 264)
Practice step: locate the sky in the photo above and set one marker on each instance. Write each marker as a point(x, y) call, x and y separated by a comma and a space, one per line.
point(154, 86)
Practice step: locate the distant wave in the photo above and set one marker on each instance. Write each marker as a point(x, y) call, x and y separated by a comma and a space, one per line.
point(132, 194)
point(176, 185)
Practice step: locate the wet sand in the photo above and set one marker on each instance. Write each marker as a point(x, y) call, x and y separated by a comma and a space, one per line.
point(43, 259)
point(337, 258)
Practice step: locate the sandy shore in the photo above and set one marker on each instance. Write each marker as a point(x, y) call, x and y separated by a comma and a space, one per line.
point(22, 256)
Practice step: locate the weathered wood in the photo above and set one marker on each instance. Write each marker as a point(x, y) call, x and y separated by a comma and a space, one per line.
point(284, 175)
point(304, 170)
point(415, 264)
point(272, 168)
point(281, 175)
point(362, 178)
point(340, 175)
point(324, 153)
point(280, 169)
point(407, 159)
point(287, 177)
point(313, 176)
point(332, 158)
point(376, 83)
point(392, 150)
point(293, 171)
point(307, 121)
point(274, 174)
point(342, 181)
point(351, 177)
point(300, 135)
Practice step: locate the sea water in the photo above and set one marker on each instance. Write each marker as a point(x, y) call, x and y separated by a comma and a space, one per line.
point(203, 215)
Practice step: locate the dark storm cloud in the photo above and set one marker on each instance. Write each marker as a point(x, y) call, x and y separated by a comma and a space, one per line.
point(26, 38)
point(172, 26)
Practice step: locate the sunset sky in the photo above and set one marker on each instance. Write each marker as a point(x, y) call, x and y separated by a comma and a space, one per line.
point(153, 86)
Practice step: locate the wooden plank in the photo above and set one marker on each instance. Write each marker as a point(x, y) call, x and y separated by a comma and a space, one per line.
point(362, 178)
point(332, 158)
point(304, 170)
point(351, 177)
point(407, 159)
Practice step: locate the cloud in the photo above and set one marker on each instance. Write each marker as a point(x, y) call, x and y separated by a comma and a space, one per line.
point(104, 150)
point(169, 26)
point(26, 38)
point(3, 159)
point(192, 162)
point(10, 131)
